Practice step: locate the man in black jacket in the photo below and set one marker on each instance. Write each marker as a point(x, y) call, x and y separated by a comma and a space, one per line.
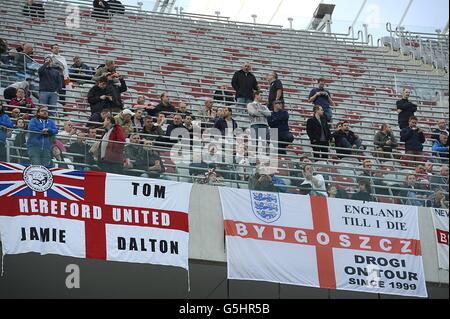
point(100, 97)
point(245, 85)
point(413, 137)
point(226, 122)
point(164, 106)
point(279, 120)
point(50, 83)
point(346, 138)
point(405, 109)
point(223, 96)
point(33, 9)
point(319, 133)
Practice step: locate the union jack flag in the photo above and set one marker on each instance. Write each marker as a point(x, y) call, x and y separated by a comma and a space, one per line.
point(68, 184)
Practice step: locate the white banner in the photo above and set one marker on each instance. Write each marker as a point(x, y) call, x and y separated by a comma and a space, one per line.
point(320, 242)
point(440, 220)
point(93, 215)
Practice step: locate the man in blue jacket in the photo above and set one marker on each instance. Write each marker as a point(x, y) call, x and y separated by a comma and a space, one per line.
point(413, 137)
point(280, 120)
point(41, 137)
point(50, 83)
point(5, 124)
point(440, 148)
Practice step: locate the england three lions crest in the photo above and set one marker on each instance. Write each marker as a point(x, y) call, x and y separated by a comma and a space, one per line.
point(266, 206)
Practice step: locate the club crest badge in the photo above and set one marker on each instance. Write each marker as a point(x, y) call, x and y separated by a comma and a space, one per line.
point(38, 178)
point(266, 206)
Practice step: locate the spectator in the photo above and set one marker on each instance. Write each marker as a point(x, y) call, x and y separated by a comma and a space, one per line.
point(440, 181)
point(80, 152)
point(440, 148)
point(49, 83)
point(176, 124)
point(92, 134)
point(40, 140)
point(116, 7)
point(347, 139)
point(275, 91)
point(101, 10)
point(24, 58)
point(442, 127)
point(224, 96)
point(34, 9)
point(411, 193)
point(322, 97)
point(111, 147)
point(149, 161)
point(313, 184)
point(208, 114)
point(59, 160)
point(369, 174)
point(67, 136)
point(138, 120)
point(363, 193)
point(226, 122)
point(258, 119)
point(60, 62)
point(319, 133)
point(405, 109)
point(279, 120)
point(413, 137)
point(161, 121)
point(385, 141)
point(108, 68)
point(15, 115)
point(97, 119)
point(3, 46)
point(99, 97)
point(9, 58)
point(116, 86)
point(19, 141)
point(164, 107)
point(124, 120)
point(245, 85)
point(5, 124)
point(24, 103)
point(149, 128)
point(438, 200)
point(11, 91)
point(80, 70)
point(182, 108)
point(336, 133)
point(131, 150)
point(297, 173)
point(334, 192)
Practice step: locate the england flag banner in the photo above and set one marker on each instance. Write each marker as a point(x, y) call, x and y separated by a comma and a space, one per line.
point(440, 220)
point(93, 215)
point(323, 243)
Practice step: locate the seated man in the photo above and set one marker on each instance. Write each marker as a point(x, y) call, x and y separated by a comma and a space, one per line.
point(149, 161)
point(132, 150)
point(440, 148)
point(385, 141)
point(175, 127)
point(440, 181)
point(226, 122)
point(412, 195)
point(124, 120)
point(314, 184)
point(347, 139)
point(279, 120)
point(67, 135)
point(80, 70)
point(150, 130)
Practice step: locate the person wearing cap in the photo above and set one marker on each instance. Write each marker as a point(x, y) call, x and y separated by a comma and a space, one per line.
point(124, 120)
point(279, 120)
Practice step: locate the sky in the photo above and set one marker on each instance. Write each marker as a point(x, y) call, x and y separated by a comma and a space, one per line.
point(423, 15)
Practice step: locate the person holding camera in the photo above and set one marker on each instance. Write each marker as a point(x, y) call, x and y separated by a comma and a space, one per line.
point(322, 97)
point(50, 83)
point(413, 137)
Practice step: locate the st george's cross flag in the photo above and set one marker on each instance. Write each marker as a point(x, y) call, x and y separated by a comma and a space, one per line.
point(323, 243)
point(94, 215)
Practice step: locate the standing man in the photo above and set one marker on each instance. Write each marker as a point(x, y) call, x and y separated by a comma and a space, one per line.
point(319, 133)
point(322, 97)
point(41, 137)
point(275, 91)
point(50, 83)
point(405, 109)
point(413, 137)
point(60, 62)
point(279, 120)
point(245, 85)
point(258, 119)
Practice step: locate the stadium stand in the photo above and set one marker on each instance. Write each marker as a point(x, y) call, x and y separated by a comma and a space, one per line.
point(190, 57)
